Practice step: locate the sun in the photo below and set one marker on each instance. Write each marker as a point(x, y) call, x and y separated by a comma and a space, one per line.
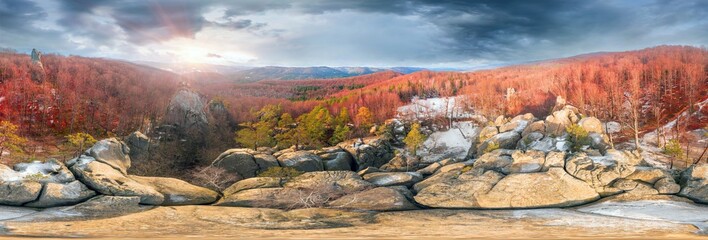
point(192, 54)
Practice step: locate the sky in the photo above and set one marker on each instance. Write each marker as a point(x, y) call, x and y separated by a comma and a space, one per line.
point(378, 33)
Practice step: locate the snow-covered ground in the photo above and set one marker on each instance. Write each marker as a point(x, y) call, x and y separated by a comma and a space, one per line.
point(452, 143)
point(450, 107)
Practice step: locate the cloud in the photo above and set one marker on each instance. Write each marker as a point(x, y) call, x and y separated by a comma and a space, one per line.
point(213, 55)
point(364, 32)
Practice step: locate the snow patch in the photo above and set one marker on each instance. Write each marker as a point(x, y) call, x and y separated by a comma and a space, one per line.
point(452, 143)
point(449, 107)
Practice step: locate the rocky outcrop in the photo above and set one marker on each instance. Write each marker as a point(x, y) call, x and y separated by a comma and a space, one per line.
point(384, 179)
point(187, 111)
point(310, 189)
point(694, 183)
point(104, 166)
point(247, 163)
point(377, 199)
point(480, 189)
point(369, 152)
point(41, 184)
point(305, 161)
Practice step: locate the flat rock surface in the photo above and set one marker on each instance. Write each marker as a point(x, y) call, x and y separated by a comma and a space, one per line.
point(625, 220)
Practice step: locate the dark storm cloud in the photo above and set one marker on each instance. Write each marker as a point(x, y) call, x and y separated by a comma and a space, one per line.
point(460, 30)
point(17, 15)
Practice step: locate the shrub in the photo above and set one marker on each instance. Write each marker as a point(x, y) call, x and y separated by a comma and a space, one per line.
point(284, 172)
point(578, 136)
point(673, 149)
point(36, 177)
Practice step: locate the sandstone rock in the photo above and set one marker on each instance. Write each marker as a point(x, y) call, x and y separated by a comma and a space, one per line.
point(178, 192)
point(500, 120)
point(374, 152)
point(56, 194)
point(537, 126)
point(488, 132)
point(139, 145)
point(377, 199)
point(49, 171)
point(554, 159)
point(529, 139)
point(107, 180)
point(591, 124)
point(496, 160)
point(492, 190)
point(455, 166)
point(102, 204)
point(346, 181)
point(694, 183)
point(401, 163)
point(635, 187)
point(383, 179)
point(559, 120)
point(16, 193)
point(598, 171)
point(301, 160)
point(253, 183)
point(648, 174)
point(507, 140)
point(368, 170)
point(337, 161)
point(432, 168)
point(667, 186)
point(245, 162)
point(112, 152)
point(518, 123)
point(525, 162)
point(281, 198)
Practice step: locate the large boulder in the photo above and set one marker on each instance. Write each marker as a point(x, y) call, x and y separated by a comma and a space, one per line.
point(139, 145)
point(369, 152)
point(393, 178)
point(41, 184)
point(186, 111)
point(526, 162)
point(492, 190)
point(518, 123)
point(253, 183)
point(377, 199)
point(107, 180)
point(557, 122)
point(247, 163)
point(694, 183)
point(497, 160)
point(111, 152)
point(56, 194)
point(305, 161)
point(506, 140)
point(311, 189)
point(109, 177)
point(16, 193)
point(591, 124)
point(336, 159)
point(601, 171)
point(178, 192)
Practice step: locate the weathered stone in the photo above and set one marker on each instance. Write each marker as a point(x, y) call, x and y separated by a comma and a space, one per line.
point(368, 170)
point(107, 180)
point(337, 160)
point(667, 186)
point(525, 162)
point(537, 126)
point(507, 140)
point(347, 181)
point(455, 166)
point(301, 160)
point(496, 160)
point(139, 145)
point(648, 174)
point(48, 171)
point(383, 179)
point(377, 199)
point(253, 183)
point(103, 204)
point(554, 159)
point(112, 152)
point(178, 192)
point(243, 162)
point(560, 120)
point(493, 190)
point(694, 183)
point(591, 124)
point(281, 198)
point(432, 168)
point(488, 132)
point(598, 171)
point(56, 194)
point(371, 152)
point(16, 193)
